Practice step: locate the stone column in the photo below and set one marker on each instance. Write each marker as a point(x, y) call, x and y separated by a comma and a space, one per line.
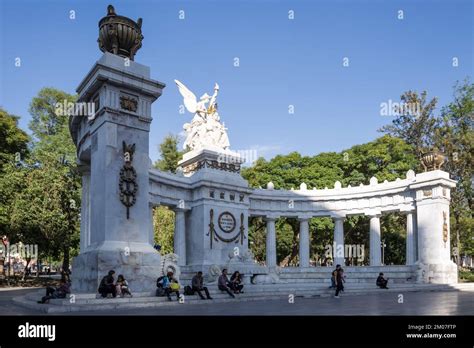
point(180, 236)
point(85, 239)
point(433, 192)
point(375, 252)
point(271, 242)
point(410, 242)
point(339, 258)
point(304, 242)
point(152, 229)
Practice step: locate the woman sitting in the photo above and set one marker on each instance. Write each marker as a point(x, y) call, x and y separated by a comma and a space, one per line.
point(122, 286)
point(236, 282)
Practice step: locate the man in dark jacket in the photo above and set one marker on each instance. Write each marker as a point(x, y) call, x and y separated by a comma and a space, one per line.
point(59, 292)
point(197, 284)
point(381, 281)
point(223, 283)
point(107, 285)
point(339, 280)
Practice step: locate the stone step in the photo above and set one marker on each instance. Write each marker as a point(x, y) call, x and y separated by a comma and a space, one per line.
point(217, 294)
point(249, 289)
point(92, 304)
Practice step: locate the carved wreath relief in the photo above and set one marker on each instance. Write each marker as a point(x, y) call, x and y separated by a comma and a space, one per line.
point(227, 223)
point(128, 178)
point(445, 228)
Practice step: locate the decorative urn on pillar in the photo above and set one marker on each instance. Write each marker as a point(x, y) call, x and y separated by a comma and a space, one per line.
point(432, 160)
point(120, 35)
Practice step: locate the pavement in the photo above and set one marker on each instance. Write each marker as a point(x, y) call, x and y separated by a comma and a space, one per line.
point(381, 303)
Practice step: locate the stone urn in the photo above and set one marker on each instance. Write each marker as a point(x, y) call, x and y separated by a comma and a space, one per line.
point(432, 160)
point(120, 35)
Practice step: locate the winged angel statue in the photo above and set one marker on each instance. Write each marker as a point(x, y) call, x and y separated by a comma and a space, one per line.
point(205, 129)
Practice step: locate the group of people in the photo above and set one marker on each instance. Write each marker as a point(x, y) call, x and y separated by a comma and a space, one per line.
point(108, 286)
point(338, 279)
point(168, 285)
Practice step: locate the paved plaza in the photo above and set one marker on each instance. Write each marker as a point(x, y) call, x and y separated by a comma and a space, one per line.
point(414, 303)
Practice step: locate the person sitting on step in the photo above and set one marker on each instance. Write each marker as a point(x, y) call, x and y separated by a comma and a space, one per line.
point(60, 292)
point(169, 284)
point(197, 284)
point(236, 282)
point(381, 281)
point(122, 286)
point(223, 283)
point(107, 285)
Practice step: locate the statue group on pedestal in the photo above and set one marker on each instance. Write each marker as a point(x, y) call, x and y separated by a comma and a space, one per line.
point(205, 129)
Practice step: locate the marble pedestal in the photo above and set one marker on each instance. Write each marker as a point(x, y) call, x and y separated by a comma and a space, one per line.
point(114, 237)
point(217, 223)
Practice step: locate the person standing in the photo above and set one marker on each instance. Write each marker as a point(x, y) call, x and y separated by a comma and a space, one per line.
point(339, 280)
point(333, 279)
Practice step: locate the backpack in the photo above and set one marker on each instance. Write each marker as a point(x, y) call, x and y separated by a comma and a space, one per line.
point(188, 290)
point(160, 292)
point(159, 282)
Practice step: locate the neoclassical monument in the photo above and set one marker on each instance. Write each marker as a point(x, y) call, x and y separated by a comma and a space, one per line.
point(211, 200)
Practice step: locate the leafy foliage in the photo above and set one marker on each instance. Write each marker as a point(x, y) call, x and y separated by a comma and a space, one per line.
point(170, 156)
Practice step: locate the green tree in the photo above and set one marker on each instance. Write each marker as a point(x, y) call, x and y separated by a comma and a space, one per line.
point(163, 227)
point(415, 123)
point(13, 140)
point(45, 121)
point(170, 155)
point(45, 209)
point(455, 138)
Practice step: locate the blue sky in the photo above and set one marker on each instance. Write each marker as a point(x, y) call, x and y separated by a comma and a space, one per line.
point(283, 62)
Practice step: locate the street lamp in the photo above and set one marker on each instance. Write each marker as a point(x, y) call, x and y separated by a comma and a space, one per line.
point(383, 245)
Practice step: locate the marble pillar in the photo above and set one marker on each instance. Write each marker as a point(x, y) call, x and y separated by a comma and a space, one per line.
point(271, 260)
point(410, 241)
point(339, 257)
point(304, 242)
point(180, 236)
point(375, 247)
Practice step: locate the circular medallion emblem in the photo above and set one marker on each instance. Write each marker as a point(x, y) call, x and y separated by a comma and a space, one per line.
point(226, 222)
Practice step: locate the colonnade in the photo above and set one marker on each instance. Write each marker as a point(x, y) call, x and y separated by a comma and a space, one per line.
point(374, 245)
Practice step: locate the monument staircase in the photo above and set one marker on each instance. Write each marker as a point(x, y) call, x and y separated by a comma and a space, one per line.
point(294, 284)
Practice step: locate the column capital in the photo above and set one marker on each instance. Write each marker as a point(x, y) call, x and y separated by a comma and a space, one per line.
point(407, 211)
point(373, 213)
point(302, 218)
point(270, 217)
point(338, 217)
